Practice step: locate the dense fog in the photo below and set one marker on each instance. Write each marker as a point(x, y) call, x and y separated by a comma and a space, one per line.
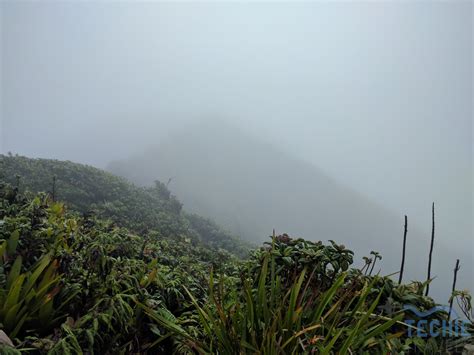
point(322, 120)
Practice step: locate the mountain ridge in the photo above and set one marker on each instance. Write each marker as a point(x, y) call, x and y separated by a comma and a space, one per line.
point(251, 187)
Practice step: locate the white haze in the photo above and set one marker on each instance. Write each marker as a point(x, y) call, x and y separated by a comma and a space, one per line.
point(377, 95)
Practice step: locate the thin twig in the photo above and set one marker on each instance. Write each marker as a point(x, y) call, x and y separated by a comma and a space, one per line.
point(456, 269)
point(403, 252)
point(431, 249)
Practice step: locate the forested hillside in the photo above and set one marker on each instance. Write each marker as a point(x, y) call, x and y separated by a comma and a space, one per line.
point(72, 284)
point(147, 210)
point(100, 278)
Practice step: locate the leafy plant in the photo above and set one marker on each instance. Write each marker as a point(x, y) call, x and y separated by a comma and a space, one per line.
point(116, 268)
point(29, 297)
point(274, 319)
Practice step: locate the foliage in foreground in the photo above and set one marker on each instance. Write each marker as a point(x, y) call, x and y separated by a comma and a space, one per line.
point(74, 283)
point(269, 319)
point(283, 305)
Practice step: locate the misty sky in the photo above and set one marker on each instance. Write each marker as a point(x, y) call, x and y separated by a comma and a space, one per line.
point(378, 95)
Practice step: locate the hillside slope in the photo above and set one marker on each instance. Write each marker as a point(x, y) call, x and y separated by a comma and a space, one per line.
point(146, 210)
point(251, 187)
point(82, 285)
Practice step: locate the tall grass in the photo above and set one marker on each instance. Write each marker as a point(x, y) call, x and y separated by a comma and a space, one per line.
point(265, 317)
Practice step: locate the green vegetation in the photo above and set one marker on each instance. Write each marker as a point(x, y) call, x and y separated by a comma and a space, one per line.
point(97, 278)
point(141, 209)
